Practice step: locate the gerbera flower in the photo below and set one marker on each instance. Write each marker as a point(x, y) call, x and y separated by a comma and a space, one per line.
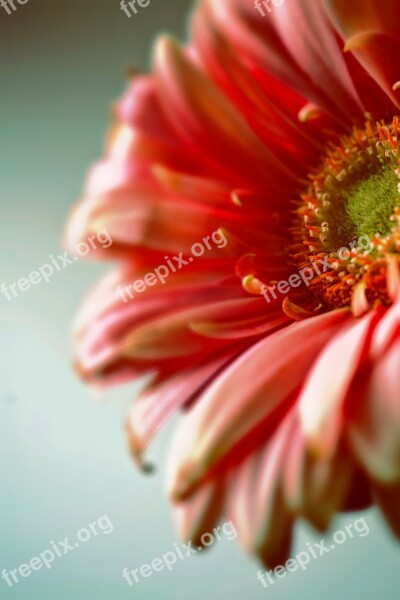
point(282, 132)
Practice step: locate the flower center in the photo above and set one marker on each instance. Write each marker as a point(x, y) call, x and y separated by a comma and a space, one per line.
point(347, 226)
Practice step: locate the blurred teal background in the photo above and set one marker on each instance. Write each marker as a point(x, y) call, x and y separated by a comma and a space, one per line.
point(64, 460)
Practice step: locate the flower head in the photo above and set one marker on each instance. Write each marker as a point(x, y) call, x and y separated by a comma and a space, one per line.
point(281, 133)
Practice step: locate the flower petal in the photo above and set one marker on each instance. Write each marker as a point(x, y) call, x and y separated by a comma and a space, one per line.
point(187, 97)
point(307, 59)
point(257, 506)
point(201, 513)
point(158, 403)
point(314, 489)
point(272, 369)
point(322, 399)
point(375, 428)
point(371, 30)
point(388, 500)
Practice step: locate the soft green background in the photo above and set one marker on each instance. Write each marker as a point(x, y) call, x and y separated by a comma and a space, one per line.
point(64, 461)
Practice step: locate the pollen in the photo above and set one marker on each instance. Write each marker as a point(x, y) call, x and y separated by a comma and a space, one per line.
point(349, 216)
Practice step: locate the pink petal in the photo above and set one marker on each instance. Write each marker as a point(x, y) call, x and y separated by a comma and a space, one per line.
point(257, 505)
point(200, 514)
point(322, 399)
point(314, 489)
point(271, 370)
point(375, 428)
point(156, 405)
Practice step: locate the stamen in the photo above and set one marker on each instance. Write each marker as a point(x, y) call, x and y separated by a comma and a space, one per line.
point(350, 217)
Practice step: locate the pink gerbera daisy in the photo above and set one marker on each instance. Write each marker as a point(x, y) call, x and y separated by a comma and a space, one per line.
point(281, 133)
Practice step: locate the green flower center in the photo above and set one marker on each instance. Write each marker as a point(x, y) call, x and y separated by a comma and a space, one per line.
point(371, 203)
point(364, 208)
